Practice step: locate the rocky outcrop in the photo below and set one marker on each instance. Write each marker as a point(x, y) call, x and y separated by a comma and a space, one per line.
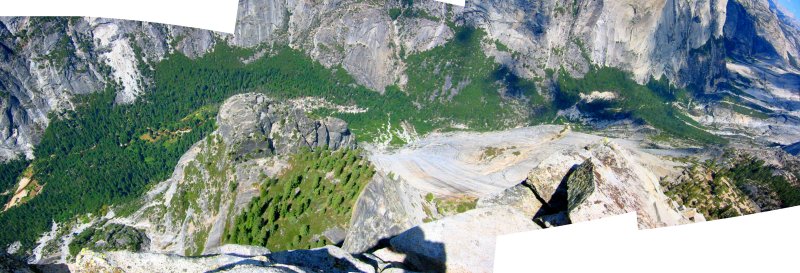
point(259, 126)
point(384, 209)
point(460, 243)
point(574, 189)
point(217, 177)
point(520, 197)
point(110, 237)
point(609, 181)
point(326, 259)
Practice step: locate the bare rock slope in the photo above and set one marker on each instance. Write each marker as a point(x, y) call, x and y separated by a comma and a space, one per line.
point(491, 166)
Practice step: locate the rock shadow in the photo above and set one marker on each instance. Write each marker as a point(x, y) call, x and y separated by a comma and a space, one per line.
point(575, 188)
point(51, 268)
point(422, 255)
point(558, 200)
point(316, 260)
point(239, 263)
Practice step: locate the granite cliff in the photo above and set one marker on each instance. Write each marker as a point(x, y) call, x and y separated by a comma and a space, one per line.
point(747, 48)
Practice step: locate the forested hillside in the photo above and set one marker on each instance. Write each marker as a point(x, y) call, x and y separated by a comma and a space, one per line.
point(103, 154)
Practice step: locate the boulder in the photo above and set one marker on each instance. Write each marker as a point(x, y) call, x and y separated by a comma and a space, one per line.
point(541, 183)
point(520, 197)
point(580, 185)
point(335, 235)
point(385, 208)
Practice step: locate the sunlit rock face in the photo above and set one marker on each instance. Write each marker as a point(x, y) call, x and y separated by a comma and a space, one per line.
point(692, 43)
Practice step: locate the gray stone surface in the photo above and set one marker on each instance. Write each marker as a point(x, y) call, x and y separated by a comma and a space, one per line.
point(256, 125)
point(647, 38)
point(460, 243)
point(385, 208)
point(520, 197)
point(326, 259)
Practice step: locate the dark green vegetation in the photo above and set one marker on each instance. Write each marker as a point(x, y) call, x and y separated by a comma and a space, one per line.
point(110, 237)
point(316, 193)
point(394, 13)
point(458, 82)
point(651, 103)
point(752, 171)
point(104, 154)
point(723, 190)
point(9, 173)
point(453, 205)
point(704, 188)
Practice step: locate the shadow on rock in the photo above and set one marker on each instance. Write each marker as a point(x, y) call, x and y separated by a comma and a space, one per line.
point(52, 268)
point(576, 186)
point(558, 200)
point(421, 254)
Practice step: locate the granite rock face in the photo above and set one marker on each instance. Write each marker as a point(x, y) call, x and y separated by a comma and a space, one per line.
point(700, 43)
point(252, 122)
point(453, 245)
point(521, 197)
point(217, 177)
point(386, 207)
point(326, 259)
point(46, 62)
